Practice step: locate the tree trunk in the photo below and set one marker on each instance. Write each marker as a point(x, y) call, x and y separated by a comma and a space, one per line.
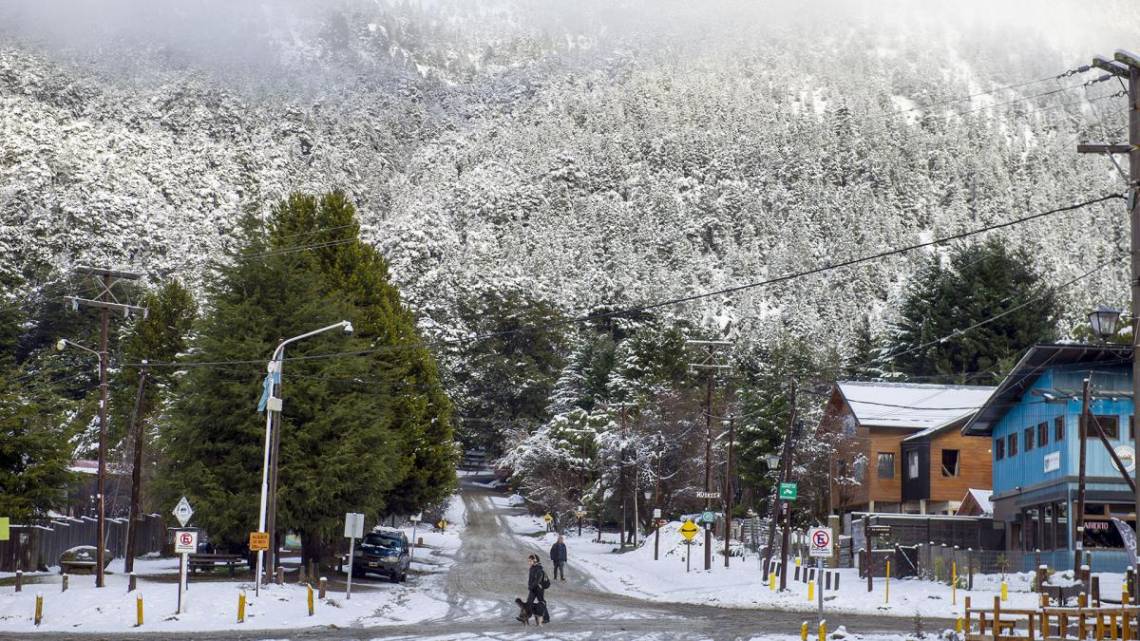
point(312, 547)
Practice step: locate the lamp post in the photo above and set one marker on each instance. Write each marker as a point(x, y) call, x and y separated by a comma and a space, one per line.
point(273, 404)
point(1103, 320)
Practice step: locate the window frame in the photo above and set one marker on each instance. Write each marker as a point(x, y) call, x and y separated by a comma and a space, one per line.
point(879, 465)
point(1011, 444)
point(999, 448)
point(957, 463)
point(1059, 429)
point(1042, 434)
point(1028, 444)
point(1106, 421)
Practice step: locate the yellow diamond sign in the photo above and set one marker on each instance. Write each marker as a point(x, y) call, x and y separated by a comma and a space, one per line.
point(689, 530)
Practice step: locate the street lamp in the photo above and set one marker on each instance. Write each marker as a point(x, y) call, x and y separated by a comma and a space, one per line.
point(273, 404)
point(62, 344)
point(1103, 320)
point(772, 460)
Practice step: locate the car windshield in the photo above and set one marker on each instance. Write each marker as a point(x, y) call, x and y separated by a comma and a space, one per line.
point(384, 542)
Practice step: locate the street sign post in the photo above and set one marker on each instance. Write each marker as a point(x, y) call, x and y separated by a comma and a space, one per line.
point(689, 530)
point(820, 542)
point(353, 529)
point(183, 512)
point(185, 544)
point(788, 491)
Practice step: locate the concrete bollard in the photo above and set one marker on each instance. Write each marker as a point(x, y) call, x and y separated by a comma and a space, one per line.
point(1004, 591)
point(803, 631)
point(280, 575)
point(241, 607)
point(958, 625)
point(309, 598)
point(63, 583)
point(887, 590)
point(39, 607)
point(823, 630)
point(772, 581)
point(419, 542)
point(139, 610)
point(132, 582)
point(322, 585)
point(302, 573)
point(19, 580)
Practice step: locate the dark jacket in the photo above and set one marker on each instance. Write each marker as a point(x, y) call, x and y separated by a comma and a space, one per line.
point(534, 579)
point(558, 553)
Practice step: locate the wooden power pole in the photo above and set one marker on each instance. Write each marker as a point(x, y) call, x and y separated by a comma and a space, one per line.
point(138, 432)
point(106, 303)
point(728, 488)
point(1126, 65)
point(1079, 516)
point(710, 365)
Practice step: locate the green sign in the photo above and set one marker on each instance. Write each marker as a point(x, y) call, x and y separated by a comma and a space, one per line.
point(4, 528)
point(708, 517)
point(788, 491)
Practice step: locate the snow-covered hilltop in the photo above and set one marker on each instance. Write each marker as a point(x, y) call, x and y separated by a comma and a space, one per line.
point(606, 156)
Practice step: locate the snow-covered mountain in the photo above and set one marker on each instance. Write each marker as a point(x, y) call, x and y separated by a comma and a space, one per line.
point(608, 154)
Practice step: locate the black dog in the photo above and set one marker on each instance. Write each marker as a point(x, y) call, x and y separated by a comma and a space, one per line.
point(527, 611)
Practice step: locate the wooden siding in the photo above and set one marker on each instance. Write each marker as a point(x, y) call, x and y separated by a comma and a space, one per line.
point(975, 465)
point(885, 440)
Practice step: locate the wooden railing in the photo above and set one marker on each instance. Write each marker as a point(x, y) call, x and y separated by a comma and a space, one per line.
point(1052, 623)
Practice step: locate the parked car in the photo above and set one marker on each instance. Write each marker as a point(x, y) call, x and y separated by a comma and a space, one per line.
point(81, 557)
point(384, 551)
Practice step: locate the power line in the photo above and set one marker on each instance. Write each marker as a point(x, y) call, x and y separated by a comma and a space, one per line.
point(664, 303)
point(1018, 85)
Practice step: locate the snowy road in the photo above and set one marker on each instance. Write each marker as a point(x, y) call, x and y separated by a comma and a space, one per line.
point(490, 572)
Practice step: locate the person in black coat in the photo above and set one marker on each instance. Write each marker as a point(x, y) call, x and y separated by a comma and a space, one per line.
point(558, 557)
point(535, 592)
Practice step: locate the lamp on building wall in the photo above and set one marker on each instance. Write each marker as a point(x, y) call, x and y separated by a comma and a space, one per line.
point(1103, 321)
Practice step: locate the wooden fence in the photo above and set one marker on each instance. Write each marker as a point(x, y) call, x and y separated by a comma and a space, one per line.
point(1052, 623)
point(37, 547)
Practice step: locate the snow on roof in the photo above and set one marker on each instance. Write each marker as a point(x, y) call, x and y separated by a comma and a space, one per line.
point(911, 405)
point(982, 497)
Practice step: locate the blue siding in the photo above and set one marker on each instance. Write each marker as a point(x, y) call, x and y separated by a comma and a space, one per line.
point(1027, 469)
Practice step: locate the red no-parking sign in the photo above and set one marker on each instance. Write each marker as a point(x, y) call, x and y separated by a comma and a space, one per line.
point(819, 538)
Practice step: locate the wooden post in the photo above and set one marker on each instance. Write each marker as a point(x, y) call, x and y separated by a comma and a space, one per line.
point(1096, 590)
point(997, 618)
point(280, 575)
point(19, 580)
point(970, 568)
point(1082, 603)
point(132, 582)
point(321, 586)
point(63, 584)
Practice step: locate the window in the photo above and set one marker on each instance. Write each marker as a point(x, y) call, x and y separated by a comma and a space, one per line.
point(1059, 429)
point(999, 449)
point(1028, 439)
point(1012, 443)
point(886, 465)
point(1042, 434)
point(912, 464)
point(949, 462)
point(859, 468)
point(1110, 425)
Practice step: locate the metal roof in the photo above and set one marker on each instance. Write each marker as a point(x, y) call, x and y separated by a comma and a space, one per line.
point(911, 405)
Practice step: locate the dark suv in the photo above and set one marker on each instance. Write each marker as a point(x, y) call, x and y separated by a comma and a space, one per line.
point(382, 551)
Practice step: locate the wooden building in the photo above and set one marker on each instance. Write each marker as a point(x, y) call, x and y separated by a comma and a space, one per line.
point(901, 448)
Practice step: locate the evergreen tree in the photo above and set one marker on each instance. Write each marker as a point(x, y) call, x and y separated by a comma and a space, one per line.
point(366, 431)
point(982, 281)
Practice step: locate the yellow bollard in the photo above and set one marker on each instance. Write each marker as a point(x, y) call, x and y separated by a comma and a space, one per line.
point(953, 583)
point(772, 581)
point(39, 607)
point(310, 598)
point(811, 591)
point(241, 607)
point(138, 610)
point(823, 631)
point(1004, 591)
point(803, 631)
point(798, 562)
point(887, 591)
point(958, 625)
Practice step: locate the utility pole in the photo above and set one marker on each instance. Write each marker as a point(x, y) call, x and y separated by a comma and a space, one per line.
point(1079, 520)
point(785, 471)
point(728, 488)
point(1126, 64)
point(106, 302)
point(711, 367)
point(138, 431)
point(274, 450)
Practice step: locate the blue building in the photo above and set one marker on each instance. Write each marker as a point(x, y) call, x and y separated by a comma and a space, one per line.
point(1032, 421)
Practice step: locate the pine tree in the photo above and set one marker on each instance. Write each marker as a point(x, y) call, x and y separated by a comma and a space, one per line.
point(368, 433)
point(982, 281)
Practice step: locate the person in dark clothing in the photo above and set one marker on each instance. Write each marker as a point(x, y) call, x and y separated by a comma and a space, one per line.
point(558, 557)
point(534, 585)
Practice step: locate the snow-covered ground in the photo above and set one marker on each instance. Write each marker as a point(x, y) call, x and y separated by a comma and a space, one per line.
point(636, 574)
point(212, 605)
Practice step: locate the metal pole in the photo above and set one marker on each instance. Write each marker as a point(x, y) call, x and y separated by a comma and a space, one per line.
point(351, 558)
point(774, 513)
point(261, 515)
point(1079, 517)
point(819, 585)
point(274, 466)
point(101, 535)
point(656, 539)
point(1134, 218)
point(792, 432)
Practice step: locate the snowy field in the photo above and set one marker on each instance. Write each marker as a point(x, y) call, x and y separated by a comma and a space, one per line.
point(636, 574)
point(212, 605)
point(837, 635)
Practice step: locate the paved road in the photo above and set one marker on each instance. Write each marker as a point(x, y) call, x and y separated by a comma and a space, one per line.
point(490, 572)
